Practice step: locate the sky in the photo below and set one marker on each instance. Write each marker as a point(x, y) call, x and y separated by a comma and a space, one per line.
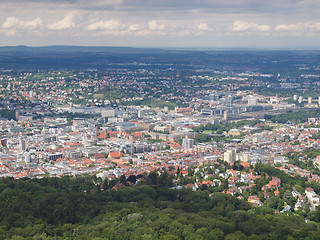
point(273, 24)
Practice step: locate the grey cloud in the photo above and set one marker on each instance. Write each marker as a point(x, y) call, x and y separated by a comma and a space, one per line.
point(177, 5)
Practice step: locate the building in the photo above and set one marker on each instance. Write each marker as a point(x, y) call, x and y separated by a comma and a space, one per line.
point(187, 143)
point(226, 115)
point(3, 142)
point(252, 101)
point(230, 156)
point(108, 112)
point(22, 145)
point(245, 157)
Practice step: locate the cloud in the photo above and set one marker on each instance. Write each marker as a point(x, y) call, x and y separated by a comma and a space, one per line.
point(202, 26)
point(306, 27)
point(66, 23)
point(16, 23)
point(288, 27)
point(106, 25)
point(240, 26)
point(11, 32)
point(135, 27)
point(155, 26)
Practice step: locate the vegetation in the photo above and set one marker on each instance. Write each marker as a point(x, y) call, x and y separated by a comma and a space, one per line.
point(294, 117)
point(304, 159)
point(76, 208)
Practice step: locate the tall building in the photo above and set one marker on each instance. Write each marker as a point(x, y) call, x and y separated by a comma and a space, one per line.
point(295, 97)
point(140, 113)
point(245, 157)
point(17, 115)
point(214, 121)
point(309, 100)
point(300, 100)
point(230, 155)
point(3, 142)
point(187, 143)
point(22, 145)
point(226, 115)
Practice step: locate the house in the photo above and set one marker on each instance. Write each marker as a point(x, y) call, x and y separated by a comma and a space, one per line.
point(245, 164)
point(232, 172)
point(313, 198)
point(274, 183)
point(276, 192)
point(136, 136)
point(208, 183)
point(255, 201)
point(120, 161)
point(102, 135)
point(174, 145)
point(192, 186)
point(97, 156)
point(115, 155)
point(232, 191)
point(184, 173)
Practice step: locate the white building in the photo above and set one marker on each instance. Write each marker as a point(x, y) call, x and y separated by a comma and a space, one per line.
point(252, 101)
point(246, 157)
point(230, 156)
point(187, 143)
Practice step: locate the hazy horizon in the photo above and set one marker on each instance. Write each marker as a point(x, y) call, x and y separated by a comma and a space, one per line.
point(235, 48)
point(285, 24)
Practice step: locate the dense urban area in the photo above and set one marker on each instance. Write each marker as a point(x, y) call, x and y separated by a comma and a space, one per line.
point(149, 150)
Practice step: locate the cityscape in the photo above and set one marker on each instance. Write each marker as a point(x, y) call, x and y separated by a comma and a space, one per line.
point(169, 120)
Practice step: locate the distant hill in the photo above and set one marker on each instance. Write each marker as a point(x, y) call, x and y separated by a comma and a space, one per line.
point(93, 49)
point(84, 57)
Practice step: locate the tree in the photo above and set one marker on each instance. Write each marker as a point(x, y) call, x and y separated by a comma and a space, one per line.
point(123, 179)
point(152, 178)
point(164, 180)
point(132, 178)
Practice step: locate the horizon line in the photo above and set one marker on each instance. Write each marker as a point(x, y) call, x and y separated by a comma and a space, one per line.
point(257, 48)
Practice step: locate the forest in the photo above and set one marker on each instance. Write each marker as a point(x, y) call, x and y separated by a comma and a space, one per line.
point(85, 207)
point(293, 117)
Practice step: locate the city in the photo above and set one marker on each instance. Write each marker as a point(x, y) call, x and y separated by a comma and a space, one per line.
point(123, 123)
point(159, 120)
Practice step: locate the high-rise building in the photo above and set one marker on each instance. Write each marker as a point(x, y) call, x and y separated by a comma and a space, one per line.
point(300, 100)
point(226, 115)
point(230, 155)
point(3, 142)
point(187, 143)
point(140, 114)
point(214, 121)
point(245, 157)
point(22, 145)
point(309, 100)
point(295, 97)
point(17, 115)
